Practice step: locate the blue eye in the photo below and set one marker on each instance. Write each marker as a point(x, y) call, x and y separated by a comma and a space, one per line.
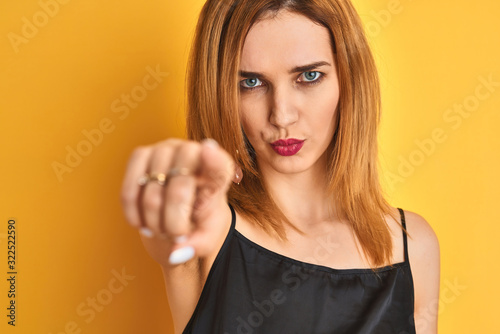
point(251, 83)
point(310, 76)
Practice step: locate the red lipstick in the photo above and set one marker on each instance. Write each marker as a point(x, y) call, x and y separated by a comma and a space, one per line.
point(287, 147)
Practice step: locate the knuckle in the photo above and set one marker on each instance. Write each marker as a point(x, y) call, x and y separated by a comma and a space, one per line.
point(161, 155)
point(169, 145)
point(190, 147)
point(170, 142)
point(163, 148)
point(139, 151)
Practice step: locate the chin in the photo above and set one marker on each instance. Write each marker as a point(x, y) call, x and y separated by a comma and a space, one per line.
point(287, 165)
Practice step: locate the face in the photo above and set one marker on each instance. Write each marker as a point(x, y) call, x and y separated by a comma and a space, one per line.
point(289, 93)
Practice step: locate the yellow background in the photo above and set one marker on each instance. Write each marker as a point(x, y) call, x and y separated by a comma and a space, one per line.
point(72, 239)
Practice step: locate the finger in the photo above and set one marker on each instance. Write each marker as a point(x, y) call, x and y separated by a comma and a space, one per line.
point(180, 190)
point(216, 171)
point(130, 192)
point(205, 238)
point(153, 195)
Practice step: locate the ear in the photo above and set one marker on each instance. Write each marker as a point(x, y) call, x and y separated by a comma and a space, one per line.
point(238, 174)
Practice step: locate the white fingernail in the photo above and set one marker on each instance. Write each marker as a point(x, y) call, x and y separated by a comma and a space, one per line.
point(181, 255)
point(212, 143)
point(146, 232)
point(181, 239)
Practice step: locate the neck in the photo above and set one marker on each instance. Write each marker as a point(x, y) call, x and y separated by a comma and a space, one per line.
point(302, 196)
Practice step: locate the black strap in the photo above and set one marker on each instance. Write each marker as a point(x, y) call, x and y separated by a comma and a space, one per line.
point(233, 217)
point(405, 239)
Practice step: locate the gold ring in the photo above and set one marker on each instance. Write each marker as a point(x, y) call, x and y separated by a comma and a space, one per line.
point(160, 178)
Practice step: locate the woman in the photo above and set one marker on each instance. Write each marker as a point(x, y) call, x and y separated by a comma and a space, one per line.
point(302, 241)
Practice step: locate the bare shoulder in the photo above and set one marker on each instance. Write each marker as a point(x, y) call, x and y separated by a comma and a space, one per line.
point(423, 243)
point(424, 256)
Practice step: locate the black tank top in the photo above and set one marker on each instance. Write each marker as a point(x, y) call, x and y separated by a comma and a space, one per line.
point(251, 289)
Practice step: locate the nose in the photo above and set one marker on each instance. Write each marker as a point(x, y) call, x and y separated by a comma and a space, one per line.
point(283, 109)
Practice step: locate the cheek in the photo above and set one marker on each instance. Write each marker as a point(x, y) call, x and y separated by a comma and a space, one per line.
point(326, 108)
point(248, 124)
point(251, 129)
point(252, 116)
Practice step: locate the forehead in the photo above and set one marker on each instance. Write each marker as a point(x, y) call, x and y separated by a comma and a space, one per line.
point(285, 40)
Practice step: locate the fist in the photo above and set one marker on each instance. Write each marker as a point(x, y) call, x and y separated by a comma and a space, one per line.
point(175, 190)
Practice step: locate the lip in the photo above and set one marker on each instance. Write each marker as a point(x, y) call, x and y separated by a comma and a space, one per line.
point(286, 142)
point(287, 147)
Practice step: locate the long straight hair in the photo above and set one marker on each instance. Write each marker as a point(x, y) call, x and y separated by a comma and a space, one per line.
point(212, 112)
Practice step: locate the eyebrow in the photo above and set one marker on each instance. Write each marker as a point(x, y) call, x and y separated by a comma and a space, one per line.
point(297, 69)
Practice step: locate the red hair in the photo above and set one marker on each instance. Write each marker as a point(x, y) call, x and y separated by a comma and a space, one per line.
point(213, 93)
